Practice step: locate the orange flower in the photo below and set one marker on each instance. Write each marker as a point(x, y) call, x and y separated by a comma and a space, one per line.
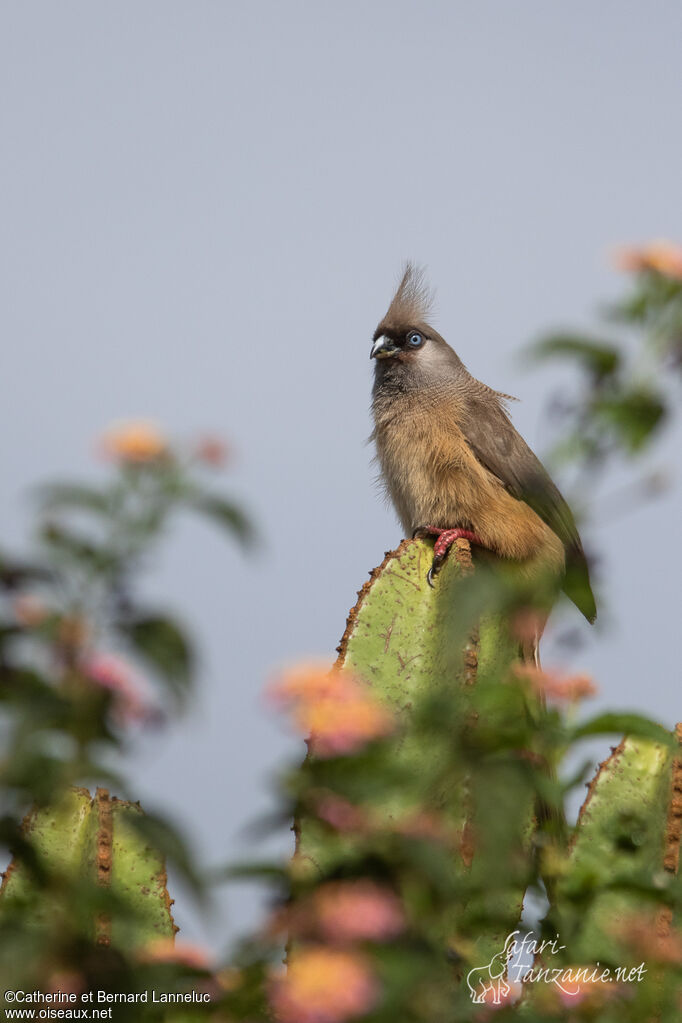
point(555, 687)
point(306, 681)
point(137, 442)
point(337, 710)
point(323, 985)
point(662, 256)
point(357, 911)
point(168, 950)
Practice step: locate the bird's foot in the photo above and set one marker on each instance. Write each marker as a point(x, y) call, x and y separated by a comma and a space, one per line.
point(444, 541)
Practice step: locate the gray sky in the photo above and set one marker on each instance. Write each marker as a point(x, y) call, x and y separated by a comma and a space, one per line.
point(205, 207)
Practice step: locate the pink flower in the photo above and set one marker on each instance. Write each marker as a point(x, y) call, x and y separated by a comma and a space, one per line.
point(357, 911)
point(651, 936)
point(114, 674)
point(29, 610)
point(340, 813)
point(67, 982)
point(426, 824)
point(323, 985)
point(337, 710)
point(555, 687)
point(212, 451)
point(572, 990)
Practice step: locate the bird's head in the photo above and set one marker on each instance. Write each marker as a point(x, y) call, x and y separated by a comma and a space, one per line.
point(404, 343)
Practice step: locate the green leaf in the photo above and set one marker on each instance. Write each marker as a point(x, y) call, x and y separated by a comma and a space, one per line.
point(273, 871)
point(635, 415)
point(68, 545)
point(164, 645)
point(14, 574)
point(73, 495)
point(598, 357)
point(226, 514)
point(623, 723)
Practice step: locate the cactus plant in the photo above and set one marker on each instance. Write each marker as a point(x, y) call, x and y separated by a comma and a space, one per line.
point(94, 839)
point(460, 774)
point(417, 647)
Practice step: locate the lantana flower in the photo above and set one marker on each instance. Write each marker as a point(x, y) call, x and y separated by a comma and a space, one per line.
point(116, 675)
point(137, 441)
point(338, 711)
point(555, 687)
point(660, 255)
point(323, 985)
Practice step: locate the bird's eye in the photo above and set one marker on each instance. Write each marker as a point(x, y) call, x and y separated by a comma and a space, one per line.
point(415, 340)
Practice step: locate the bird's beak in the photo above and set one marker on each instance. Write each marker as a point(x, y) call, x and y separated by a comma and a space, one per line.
point(383, 348)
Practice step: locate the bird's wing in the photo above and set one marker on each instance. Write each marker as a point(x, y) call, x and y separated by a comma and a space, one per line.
point(501, 449)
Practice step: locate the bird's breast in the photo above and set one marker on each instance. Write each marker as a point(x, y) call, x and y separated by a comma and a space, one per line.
point(428, 471)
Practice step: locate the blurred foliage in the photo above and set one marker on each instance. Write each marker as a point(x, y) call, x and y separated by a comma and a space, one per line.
point(630, 381)
point(85, 667)
point(431, 802)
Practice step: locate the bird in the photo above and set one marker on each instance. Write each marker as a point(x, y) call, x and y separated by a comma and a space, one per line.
point(452, 462)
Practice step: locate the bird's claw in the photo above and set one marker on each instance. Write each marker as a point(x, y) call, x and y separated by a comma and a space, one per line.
point(433, 571)
point(444, 540)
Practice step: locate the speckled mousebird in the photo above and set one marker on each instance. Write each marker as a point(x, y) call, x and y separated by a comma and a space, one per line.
point(451, 460)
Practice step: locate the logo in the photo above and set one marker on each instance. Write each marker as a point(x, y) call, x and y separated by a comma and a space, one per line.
point(488, 983)
point(500, 979)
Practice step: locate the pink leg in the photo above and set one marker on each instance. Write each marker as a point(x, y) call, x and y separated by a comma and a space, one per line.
point(445, 540)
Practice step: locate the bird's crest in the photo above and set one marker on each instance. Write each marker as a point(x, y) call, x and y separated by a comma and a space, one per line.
point(412, 302)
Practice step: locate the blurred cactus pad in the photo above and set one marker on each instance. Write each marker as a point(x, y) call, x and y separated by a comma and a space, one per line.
point(431, 663)
point(96, 841)
point(461, 808)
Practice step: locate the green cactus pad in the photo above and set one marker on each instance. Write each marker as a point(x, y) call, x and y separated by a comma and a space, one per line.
point(94, 840)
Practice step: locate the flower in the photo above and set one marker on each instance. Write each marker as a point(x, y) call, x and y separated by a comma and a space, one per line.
point(572, 989)
point(651, 936)
point(340, 813)
point(29, 610)
point(357, 911)
point(336, 709)
point(426, 824)
point(660, 255)
point(115, 674)
point(212, 451)
point(342, 912)
point(168, 950)
point(555, 687)
point(323, 985)
point(138, 442)
point(67, 982)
